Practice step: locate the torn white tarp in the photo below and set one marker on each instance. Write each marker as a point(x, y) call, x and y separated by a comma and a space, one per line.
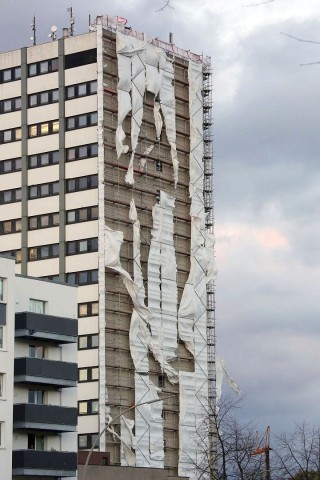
point(127, 439)
point(187, 426)
point(113, 242)
point(141, 67)
point(220, 373)
point(162, 278)
point(149, 424)
point(168, 107)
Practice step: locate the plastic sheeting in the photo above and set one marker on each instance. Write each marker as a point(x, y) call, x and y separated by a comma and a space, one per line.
point(162, 278)
point(141, 67)
point(192, 315)
point(127, 440)
point(220, 373)
point(141, 314)
point(149, 425)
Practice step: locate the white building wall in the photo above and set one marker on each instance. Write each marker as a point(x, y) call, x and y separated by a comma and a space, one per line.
point(7, 268)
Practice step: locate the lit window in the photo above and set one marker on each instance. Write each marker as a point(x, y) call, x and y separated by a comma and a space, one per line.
point(55, 126)
point(44, 128)
point(33, 131)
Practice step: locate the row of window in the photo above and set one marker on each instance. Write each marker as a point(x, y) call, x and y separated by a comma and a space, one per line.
point(44, 128)
point(88, 309)
point(86, 277)
point(47, 66)
point(10, 135)
point(88, 407)
point(48, 220)
point(10, 105)
point(10, 196)
point(49, 96)
point(85, 441)
point(88, 341)
point(49, 158)
point(88, 374)
point(43, 190)
point(49, 127)
point(16, 254)
point(43, 98)
point(10, 74)
point(10, 226)
point(73, 247)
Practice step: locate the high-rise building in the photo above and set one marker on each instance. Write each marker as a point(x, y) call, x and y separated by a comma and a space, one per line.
point(38, 377)
point(106, 182)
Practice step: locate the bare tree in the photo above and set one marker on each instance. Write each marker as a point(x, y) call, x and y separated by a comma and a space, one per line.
point(234, 444)
point(297, 455)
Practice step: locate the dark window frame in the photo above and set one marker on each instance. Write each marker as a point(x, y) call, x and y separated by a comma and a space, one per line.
point(89, 214)
point(14, 107)
point(15, 228)
point(38, 218)
point(89, 374)
point(53, 159)
point(76, 88)
point(91, 152)
point(89, 344)
point(79, 277)
point(91, 119)
point(50, 193)
point(92, 246)
point(52, 63)
point(14, 136)
point(16, 196)
point(14, 166)
point(38, 95)
point(15, 74)
point(53, 252)
point(91, 182)
point(38, 128)
point(89, 407)
point(89, 309)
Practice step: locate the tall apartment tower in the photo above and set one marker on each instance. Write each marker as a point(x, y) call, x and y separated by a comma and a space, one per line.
point(106, 182)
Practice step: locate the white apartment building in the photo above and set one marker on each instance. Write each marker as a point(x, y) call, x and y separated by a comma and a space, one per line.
point(106, 182)
point(38, 414)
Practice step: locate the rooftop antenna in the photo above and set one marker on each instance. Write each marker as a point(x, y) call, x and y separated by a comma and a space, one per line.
point(72, 21)
point(53, 33)
point(33, 28)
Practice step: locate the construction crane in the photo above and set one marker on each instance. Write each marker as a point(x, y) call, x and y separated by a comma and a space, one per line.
point(264, 449)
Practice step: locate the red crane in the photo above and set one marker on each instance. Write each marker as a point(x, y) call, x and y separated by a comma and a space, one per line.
point(264, 449)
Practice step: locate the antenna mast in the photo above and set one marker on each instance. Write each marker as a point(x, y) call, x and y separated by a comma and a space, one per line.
point(72, 21)
point(33, 28)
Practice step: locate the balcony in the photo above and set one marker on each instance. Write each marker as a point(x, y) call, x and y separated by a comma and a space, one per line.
point(30, 325)
point(39, 463)
point(44, 417)
point(45, 372)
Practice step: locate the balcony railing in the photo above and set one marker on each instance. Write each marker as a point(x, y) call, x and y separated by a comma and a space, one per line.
point(45, 372)
point(45, 417)
point(54, 329)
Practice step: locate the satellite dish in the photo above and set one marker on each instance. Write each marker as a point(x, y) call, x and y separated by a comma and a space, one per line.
point(54, 29)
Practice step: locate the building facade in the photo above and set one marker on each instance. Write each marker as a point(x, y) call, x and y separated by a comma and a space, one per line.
point(106, 182)
point(38, 414)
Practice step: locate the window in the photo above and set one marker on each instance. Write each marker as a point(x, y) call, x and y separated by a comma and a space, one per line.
point(36, 351)
point(37, 306)
point(40, 68)
point(36, 397)
point(1, 337)
point(80, 58)
point(2, 386)
point(89, 374)
point(82, 214)
point(85, 277)
point(86, 441)
point(81, 121)
point(88, 341)
point(1, 434)
point(44, 221)
point(84, 151)
point(88, 309)
point(45, 128)
point(159, 165)
point(16, 254)
point(82, 246)
point(35, 442)
point(43, 190)
point(10, 226)
point(10, 74)
point(161, 380)
point(81, 90)
point(1, 289)
point(10, 105)
point(88, 407)
point(43, 159)
point(11, 135)
point(43, 252)
point(43, 98)
point(12, 165)
point(82, 183)
point(10, 196)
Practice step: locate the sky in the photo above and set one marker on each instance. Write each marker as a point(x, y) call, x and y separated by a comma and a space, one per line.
point(267, 179)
